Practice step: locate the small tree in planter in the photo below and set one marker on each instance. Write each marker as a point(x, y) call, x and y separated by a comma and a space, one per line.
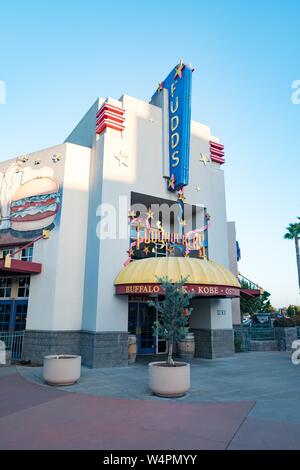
point(174, 314)
point(171, 379)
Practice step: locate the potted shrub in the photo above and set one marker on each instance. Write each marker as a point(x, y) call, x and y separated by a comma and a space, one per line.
point(62, 369)
point(171, 378)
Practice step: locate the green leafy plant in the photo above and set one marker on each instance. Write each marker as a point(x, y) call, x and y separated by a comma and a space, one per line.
point(297, 319)
point(285, 321)
point(174, 313)
point(293, 233)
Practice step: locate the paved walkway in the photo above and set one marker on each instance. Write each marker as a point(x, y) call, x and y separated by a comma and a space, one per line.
point(249, 401)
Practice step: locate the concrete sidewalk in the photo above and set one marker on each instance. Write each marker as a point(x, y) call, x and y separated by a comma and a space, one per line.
point(40, 417)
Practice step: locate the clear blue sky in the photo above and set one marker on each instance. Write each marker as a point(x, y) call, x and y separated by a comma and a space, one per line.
point(56, 57)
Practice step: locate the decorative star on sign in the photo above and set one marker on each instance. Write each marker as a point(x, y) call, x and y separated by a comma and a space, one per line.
point(171, 182)
point(160, 87)
point(179, 69)
point(180, 195)
point(204, 158)
point(130, 252)
point(131, 214)
point(122, 159)
point(150, 214)
point(158, 225)
point(146, 250)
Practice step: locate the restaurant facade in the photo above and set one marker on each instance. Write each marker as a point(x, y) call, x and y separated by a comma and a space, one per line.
point(88, 227)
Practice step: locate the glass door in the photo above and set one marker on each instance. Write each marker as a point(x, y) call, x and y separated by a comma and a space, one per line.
point(20, 314)
point(146, 339)
point(140, 322)
point(6, 316)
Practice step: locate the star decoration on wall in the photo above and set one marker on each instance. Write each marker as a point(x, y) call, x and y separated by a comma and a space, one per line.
point(150, 214)
point(198, 188)
point(179, 69)
point(122, 159)
point(171, 182)
point(19, 166)
point(204, 158)
point(56, 158)
point(180, 195)
point(146, 250)
point(160, 87)
point(23, 158)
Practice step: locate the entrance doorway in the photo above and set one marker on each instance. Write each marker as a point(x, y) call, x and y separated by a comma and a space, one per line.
point(141, 317)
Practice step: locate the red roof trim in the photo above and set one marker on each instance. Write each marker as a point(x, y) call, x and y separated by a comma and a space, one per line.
point(20, 267)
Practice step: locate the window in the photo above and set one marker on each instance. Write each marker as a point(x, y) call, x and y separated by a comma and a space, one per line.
point(5, 311)
point(26, 254)
point(7, 251)
point(23, 289)
point(5, 286)
point(21, 314)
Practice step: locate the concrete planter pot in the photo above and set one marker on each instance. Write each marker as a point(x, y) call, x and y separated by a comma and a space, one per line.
point(171, 382)
point(61, 370)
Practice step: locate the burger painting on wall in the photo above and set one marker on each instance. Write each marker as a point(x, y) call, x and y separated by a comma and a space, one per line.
point(34, 205)
point(30, 202)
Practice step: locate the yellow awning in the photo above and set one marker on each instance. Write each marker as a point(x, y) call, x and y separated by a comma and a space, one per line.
point(199, 271)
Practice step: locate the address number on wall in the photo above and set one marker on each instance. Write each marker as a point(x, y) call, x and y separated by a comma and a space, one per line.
point(221, 312)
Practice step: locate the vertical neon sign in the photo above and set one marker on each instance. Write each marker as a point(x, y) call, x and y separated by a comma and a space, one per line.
point(179, 84)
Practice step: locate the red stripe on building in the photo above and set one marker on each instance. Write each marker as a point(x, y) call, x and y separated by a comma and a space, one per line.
point(217, 152)
point(110, 116)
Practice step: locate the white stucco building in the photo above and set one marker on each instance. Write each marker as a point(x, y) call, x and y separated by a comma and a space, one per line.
point(68, 234)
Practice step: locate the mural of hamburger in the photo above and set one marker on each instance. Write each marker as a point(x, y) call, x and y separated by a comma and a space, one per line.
point(35, 204)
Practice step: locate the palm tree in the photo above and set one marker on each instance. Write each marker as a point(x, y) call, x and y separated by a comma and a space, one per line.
point(293, 233)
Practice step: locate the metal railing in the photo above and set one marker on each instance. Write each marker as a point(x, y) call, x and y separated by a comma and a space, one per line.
point(261, 333)
point(13, 342)
point(247, 284)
